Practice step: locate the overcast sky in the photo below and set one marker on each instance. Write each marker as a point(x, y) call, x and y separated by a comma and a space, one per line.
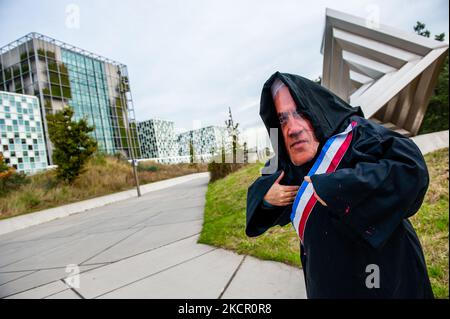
point(190, 60)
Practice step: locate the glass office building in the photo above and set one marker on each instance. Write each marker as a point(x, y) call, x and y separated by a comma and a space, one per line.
point(60, 74)
point(21, 138)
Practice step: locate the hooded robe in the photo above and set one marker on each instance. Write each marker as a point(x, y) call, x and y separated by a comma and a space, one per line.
point(361, 245)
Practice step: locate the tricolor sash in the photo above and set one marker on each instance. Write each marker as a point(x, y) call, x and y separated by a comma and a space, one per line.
point(329, 158)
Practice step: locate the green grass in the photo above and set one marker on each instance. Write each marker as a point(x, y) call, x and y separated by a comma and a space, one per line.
point(224, 222)
point(431, 222)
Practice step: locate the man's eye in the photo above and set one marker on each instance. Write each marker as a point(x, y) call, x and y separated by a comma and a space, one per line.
point(282, 119)
point(296, 115)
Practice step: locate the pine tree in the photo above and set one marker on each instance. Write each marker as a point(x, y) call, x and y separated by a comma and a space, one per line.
point(72, 143)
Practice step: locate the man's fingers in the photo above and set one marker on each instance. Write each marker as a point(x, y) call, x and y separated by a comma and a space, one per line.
point(279, 178)
point(288, 192)
point(288, 197)
point(308, 179)
point(288, 188)
point(320, 200)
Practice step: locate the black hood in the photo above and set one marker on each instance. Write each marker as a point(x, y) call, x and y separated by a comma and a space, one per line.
point(327, 112)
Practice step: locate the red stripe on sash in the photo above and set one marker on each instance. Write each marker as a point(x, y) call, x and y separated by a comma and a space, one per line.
point(340, 153)
point(308, 209)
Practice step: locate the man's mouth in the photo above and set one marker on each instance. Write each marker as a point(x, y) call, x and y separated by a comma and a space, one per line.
point(296, 143)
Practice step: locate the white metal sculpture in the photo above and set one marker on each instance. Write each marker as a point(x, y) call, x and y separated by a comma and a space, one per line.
point(390, 73)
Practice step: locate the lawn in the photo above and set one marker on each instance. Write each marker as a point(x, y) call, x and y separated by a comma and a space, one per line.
point(224, 222)
point(104, 175)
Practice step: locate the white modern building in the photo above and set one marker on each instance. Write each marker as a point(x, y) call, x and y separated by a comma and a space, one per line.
point(159, 142)
point(22, 139)
point(157, 138)
point(206, 141)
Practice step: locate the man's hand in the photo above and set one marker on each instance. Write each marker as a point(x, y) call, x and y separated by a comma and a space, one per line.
point(320, 200)
point(281, 195)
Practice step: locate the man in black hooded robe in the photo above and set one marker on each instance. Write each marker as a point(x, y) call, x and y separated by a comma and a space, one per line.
point(358, 241)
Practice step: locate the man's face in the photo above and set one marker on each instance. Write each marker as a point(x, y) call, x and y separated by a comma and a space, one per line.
point(298, 133)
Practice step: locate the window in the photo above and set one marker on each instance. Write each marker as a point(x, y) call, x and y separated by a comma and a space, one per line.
point(5, 147)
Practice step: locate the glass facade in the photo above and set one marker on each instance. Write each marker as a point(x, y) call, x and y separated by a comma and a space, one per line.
point(21, 140)
point(157, 138)
point(89, 96)
point(60, 74)
point(206, 140)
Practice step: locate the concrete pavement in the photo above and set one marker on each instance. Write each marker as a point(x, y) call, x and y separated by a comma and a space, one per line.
point(137, 248)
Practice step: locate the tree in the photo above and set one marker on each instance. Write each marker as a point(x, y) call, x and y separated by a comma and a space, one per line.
point(233, 132)
point(72, 143)
point(420, 29)
point(440, 37)
point(436, 116)
point(245, 153)
point(191, 151)
point(318, 80)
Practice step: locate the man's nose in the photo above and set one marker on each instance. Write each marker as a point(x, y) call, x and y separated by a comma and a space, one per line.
point(295, 129)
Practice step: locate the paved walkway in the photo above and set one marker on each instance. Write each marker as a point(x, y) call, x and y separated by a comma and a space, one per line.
point(137, 248)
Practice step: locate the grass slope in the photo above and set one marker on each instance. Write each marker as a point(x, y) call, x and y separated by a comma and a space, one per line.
point(224, 222)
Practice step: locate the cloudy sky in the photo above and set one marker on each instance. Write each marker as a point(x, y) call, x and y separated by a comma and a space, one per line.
point(189, 60)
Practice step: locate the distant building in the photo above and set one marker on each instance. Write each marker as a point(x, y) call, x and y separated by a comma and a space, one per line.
point(159, 142)
point(21, 133)
point(205, 141)
point(60, 74)
point(157, 139)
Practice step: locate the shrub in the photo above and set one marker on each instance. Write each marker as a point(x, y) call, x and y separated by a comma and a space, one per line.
point(220, 170)
point(9, 178)
point(144, 168)
point(99, 158)
point(73, 145)
point(120, 156)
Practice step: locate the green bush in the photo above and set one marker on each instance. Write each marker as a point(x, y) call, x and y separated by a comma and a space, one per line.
point(99, 158)
point(73, 145)
point(220, 170)
point(436, 116)
point(144, 168)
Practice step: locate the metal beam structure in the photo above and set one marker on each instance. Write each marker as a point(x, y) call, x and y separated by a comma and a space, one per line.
point(388, 72)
